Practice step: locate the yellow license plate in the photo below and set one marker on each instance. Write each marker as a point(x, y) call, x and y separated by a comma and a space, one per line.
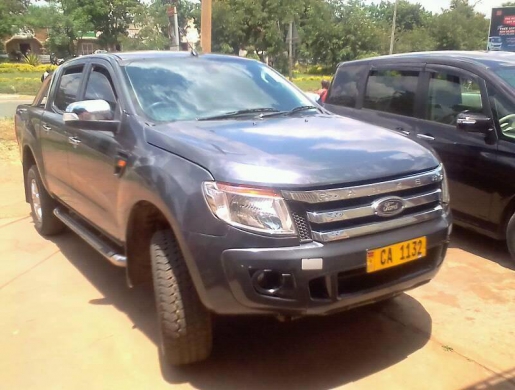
point(396, 254)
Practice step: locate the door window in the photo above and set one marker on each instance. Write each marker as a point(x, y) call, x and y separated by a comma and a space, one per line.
point(392, 91)
point(504, 114)
point(68, 88)
point(100, 86)
point(345, 88)
point(450, 94)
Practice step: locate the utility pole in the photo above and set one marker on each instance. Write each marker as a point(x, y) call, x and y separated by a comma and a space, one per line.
point(173, 25)
point(205, 26)
point(290, 51)
point(392, 38)
point(176, 23)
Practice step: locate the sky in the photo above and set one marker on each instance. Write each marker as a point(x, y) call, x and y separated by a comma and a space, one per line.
point(484, 6)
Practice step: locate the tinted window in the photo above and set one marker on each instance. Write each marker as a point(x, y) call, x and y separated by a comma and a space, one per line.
point(392, 91)
point(100, 86)
point(41, 97)
point(451, 94)
point(503, 110)
point(189, 88)
point(68, 88)
point(345, 88)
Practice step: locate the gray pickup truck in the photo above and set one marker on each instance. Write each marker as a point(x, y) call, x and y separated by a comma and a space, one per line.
point(221, 184)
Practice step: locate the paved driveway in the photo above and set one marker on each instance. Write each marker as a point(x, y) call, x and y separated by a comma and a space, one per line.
point(67, 321)
point(8, 104)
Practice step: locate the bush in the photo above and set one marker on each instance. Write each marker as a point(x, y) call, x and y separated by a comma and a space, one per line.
point(319, 70)
point(32, 59)
point(10, 67)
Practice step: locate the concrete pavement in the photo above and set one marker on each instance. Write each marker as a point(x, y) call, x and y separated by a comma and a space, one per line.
point(8, 104)
point(67, 320)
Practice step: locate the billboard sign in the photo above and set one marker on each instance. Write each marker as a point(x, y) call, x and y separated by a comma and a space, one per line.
point(502, 29)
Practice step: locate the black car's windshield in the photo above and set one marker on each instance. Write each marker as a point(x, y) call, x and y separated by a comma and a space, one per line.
point(193, 88)
point(507, 74)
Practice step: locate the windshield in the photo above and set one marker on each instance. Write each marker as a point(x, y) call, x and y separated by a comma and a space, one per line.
point(183, 89)
point(507, 74)
point(495, 39)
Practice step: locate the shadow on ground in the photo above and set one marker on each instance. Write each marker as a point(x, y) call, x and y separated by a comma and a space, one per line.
point(492, 250)
point(260, 353)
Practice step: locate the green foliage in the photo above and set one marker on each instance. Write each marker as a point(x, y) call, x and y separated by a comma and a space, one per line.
point(32, 59)
point(11, 12)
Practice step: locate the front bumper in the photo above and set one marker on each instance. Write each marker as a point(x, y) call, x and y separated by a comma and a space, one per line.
point(228, 275)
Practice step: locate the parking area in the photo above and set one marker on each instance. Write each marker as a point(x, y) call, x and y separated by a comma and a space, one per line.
point(68, 320)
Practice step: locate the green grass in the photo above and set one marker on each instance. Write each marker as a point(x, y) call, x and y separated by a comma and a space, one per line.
point(308, 85)
point(26, 83)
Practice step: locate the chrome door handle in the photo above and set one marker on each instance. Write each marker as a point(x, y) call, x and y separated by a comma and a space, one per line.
point(405, 132)
point(426, 137)
point(74, 141)
point(46, 128)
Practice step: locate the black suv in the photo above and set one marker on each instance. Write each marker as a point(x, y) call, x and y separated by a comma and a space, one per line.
point(218, 182)
point(460, 103)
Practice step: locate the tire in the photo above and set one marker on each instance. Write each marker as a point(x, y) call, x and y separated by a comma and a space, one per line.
point(510, 236)
point(184, 323)
point(42, 205)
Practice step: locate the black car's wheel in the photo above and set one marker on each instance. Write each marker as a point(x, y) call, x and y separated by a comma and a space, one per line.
point(42, 205)
point(184, 322)
point(510, 236)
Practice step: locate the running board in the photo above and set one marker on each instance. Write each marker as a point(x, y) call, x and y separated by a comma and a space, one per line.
point(97, 243)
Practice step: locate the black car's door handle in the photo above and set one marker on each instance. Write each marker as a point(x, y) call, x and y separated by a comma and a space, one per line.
point(401, 130)
point(46, 127)
point(74, 141)
point(426, 137)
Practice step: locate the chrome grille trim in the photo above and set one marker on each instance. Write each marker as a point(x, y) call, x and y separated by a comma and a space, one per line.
point(368, 210)
point(409, 182)
point(362, 230)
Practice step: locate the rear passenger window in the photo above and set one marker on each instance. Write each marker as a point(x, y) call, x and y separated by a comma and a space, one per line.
point(345, 88)
point(68, 87)
point(451, 94)
point(392, 91)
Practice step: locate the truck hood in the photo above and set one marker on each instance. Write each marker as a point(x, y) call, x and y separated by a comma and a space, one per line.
point(302, 151)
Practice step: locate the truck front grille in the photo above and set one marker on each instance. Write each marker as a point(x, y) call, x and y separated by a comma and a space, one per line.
point(341, 213)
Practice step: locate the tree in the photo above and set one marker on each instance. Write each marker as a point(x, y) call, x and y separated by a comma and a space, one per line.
point(11, 12)
point(460, 28)
point(111, 18)
point(409, 16)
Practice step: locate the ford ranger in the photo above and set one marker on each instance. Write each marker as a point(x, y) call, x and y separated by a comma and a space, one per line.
point(218, 182)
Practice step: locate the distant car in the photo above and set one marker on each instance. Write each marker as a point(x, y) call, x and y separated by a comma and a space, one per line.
point(460, 103)
point(494, 43)
point(100, 51)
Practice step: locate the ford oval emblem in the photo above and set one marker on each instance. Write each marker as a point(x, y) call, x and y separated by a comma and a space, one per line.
point(388, 207)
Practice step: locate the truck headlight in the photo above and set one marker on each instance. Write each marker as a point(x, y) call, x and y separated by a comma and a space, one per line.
point(446, 198)
point(259, 210)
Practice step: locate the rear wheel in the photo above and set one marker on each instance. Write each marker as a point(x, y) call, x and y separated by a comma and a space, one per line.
point(510, 236)
point(42, 205)
point(184, 322)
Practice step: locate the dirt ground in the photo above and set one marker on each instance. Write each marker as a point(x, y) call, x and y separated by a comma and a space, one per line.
point(67, 321)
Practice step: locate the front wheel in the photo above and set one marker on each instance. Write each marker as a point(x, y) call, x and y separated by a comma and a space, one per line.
point(42, 205)
point(184, 322)
point(510, 236)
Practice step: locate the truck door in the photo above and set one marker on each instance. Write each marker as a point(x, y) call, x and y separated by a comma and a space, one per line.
point(54, 134)
point(94, 156)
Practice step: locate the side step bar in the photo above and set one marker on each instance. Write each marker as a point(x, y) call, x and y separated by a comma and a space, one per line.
point(97, 243)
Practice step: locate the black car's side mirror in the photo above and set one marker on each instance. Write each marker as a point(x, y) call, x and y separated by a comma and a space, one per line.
point(91, 115)
point(474, 122)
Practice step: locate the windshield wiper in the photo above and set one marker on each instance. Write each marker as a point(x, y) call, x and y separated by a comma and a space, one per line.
point(233, 114)
point(292, 111)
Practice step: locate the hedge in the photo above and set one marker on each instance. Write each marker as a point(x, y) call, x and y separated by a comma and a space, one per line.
point(10, 67)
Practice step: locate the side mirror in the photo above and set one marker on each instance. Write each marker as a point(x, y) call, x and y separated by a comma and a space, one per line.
point(474, 123)
point(90, 115)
